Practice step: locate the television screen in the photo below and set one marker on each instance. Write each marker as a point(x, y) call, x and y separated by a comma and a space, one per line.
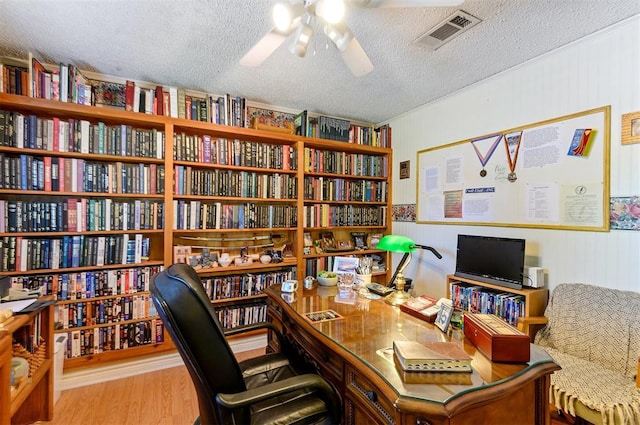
point(491, 260)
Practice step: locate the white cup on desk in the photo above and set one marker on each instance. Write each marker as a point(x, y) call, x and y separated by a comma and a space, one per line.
point(362, 280)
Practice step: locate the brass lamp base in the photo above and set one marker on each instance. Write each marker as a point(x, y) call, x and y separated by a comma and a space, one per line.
point(398, 297)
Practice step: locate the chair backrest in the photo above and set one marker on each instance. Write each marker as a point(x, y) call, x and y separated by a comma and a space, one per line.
point(594, 323)
point(195, 329)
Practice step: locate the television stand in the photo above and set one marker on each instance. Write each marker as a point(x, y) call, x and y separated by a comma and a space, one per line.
point(535, 299)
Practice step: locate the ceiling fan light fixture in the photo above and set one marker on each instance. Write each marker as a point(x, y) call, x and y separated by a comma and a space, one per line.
point(340, 35)
point(286, 15)
point(303, 36)
point(332, 11)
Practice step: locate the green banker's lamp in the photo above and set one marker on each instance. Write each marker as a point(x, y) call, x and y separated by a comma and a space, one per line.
point(396, 243)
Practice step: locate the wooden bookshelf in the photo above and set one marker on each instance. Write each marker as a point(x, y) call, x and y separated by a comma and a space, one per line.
point(535, 299)
point(285, 197)
point(32, 399)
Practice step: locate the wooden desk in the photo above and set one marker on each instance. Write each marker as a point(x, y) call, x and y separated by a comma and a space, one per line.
point(352, 353)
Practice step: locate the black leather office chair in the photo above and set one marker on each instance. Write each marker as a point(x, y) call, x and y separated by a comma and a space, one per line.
point(268, 389)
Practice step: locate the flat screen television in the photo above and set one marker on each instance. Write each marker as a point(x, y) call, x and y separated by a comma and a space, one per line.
point(499, 261)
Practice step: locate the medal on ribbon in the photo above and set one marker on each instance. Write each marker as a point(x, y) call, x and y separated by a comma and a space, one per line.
point(485, 147)
point(512, 143)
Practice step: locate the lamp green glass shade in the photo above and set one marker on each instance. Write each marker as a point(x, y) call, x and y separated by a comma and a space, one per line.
point(396, 243)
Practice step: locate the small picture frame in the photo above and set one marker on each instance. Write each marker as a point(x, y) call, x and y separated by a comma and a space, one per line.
point(308, 241)
point(443, 319)
point(404, 170)
point(345, 264)
point(359, 240)
point(630, 128)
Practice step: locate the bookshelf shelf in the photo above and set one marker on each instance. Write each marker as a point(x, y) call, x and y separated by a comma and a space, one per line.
point(533, 300)
point(104, 325)
point(243, 153)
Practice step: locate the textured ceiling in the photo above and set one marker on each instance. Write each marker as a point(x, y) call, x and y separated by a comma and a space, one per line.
point(198, 44)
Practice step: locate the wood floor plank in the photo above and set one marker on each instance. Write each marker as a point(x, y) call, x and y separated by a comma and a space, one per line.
point(165, 397)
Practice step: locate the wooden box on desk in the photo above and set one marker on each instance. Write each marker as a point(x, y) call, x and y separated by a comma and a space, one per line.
point(496, 339)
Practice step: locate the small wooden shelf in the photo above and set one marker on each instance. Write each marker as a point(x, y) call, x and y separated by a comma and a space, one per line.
point(31, 400)
point(535, 298)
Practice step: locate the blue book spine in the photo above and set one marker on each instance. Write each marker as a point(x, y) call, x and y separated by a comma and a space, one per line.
point(31, 131)
point(66, 252)
point(64, 286)
point(89, 285)
point(75, 250)
point(23, 172)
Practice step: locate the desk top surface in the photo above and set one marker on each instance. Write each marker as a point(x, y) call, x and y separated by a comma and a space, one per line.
point(363, 332)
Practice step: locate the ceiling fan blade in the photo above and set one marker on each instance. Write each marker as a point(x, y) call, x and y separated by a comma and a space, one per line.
point(264, 48)
point(356, 58)
point(404, 3)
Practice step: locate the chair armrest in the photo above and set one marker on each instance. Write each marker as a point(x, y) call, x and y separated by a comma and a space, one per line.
point(253, 327)
point(265, 392)
point(531, 325)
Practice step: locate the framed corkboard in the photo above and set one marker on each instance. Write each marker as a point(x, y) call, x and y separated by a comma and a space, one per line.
point(550, 174)
point(630, 128)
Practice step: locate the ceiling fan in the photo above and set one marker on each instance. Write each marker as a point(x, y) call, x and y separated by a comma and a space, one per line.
point(300, 17)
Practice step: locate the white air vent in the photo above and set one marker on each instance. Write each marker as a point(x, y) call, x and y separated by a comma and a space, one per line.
point(446, 30)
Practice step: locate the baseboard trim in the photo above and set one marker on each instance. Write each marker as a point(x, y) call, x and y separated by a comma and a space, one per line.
point(95, 375)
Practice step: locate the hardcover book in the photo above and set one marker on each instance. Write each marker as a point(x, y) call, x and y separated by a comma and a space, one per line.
point(423, 307)
point(436, 356)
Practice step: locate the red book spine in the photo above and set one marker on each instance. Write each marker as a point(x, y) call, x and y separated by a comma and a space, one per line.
point(128, 95)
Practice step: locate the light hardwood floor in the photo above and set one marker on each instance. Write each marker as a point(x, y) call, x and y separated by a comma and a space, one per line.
point(165, 397)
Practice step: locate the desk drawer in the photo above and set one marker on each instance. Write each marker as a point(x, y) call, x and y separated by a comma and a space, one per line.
point(324, 360)
point(364, 395)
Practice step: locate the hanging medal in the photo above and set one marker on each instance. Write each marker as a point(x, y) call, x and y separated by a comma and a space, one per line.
point(485, 147)
point(512, 143)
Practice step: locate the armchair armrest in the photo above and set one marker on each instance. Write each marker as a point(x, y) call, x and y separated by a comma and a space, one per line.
point(531, 325)
point(274, 389)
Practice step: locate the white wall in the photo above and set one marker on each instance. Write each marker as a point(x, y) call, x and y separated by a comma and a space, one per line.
point(602, 69)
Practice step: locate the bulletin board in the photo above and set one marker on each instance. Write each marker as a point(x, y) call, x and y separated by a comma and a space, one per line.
point(550, 174)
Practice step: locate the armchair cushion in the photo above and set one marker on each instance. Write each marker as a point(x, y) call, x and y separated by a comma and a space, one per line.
point(600, 395)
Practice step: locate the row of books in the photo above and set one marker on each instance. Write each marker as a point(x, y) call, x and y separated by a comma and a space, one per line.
point(103, 311)
point(353, 164)
point(335, 189)
point(73, 215)
point(90, 284)
point(243, 153)
point(192, 181)
point(65, 83)
point(478, 299)
point(242, 315)
point(341, 130)
point(323, 215)
point(23, 254)
point(74, 135)
point(87, 342)
point(245, 285)
point(54, 174)
point(215, 215)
